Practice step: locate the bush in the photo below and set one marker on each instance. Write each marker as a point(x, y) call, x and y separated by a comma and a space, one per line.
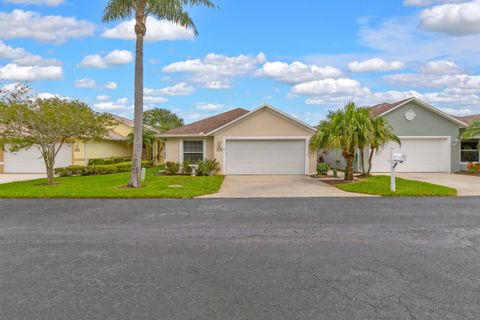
point(72, 171)
point(474, 168)
point(172, 167)
point(208, 167)
point(96, 162)
point(322, 168)
point(186, 169)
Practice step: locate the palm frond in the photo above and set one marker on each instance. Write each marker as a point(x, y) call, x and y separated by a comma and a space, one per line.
point(118, 10)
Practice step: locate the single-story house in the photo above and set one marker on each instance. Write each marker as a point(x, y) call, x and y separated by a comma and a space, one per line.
point(430, 138)
point(113, 145)
point(262, 141)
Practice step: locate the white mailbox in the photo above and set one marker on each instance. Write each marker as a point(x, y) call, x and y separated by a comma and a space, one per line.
point(399, 157)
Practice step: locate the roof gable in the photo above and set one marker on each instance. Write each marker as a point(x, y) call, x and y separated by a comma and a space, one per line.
point(385, 108)
point(262, 107)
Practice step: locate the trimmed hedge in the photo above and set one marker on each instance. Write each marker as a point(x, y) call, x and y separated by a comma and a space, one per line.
point(96, 162)
point(72, 171)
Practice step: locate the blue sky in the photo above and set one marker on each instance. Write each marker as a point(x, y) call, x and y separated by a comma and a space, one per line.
point(304, 57)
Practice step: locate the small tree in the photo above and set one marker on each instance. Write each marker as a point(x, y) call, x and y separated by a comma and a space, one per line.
point(47, 124)
point(472, 130)
point(162, 119)
point(148, 139)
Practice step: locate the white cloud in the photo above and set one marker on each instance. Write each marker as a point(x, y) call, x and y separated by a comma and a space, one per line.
point(22, 57)
point(111, 85)
point(214, 71)
point(424, 3)
point(85, 83)
point(112, 59)
point(180, 89)
point(103, 98)
point(335, 87)
point(32, 25)
point(157, 30)
point(30, 73)
point(375, 64)
point(50, 3)
point(457, 19)
point(154, 100)
point(297, 72)
point(209, 106)
point(440, 67)
point(457, 81)
point(119, 104)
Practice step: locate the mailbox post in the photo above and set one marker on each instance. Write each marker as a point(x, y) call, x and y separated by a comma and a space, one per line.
point(395, 159)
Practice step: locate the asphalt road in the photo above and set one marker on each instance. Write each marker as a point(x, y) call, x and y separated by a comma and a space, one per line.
point(240, 259)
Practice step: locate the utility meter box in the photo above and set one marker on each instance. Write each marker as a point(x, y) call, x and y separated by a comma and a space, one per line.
point(399, 157)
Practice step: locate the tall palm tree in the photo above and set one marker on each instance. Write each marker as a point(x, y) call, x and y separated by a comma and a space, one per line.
point(365, 133)
point(148, 139)
point(342, 130)
point(171, 10)
point(473, 130)
point(381, 135)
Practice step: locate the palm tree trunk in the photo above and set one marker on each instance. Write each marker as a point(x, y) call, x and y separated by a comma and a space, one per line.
point(370, 159)
point(349, 157)
point(140, 31)
point(362, 157)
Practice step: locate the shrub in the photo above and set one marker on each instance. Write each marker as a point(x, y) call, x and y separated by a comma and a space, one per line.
point(96, 162)
point(186, 169)
point(322, 168)
point(474, 168)
point(208, 167)
point(172, 167)
point(92, 170)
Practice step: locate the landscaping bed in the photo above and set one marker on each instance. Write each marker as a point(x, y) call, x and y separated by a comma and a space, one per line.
point(113, 186)
point(380, 185)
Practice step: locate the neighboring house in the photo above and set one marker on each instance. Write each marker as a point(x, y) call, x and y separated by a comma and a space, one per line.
point(262, 141)
point(430, 138)
point(113, 145)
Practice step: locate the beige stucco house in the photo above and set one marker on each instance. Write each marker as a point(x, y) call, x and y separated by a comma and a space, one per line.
point(113, 145)
point(262, 141)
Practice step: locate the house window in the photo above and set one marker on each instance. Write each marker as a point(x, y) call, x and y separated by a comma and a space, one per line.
point(469, 151)
point(192, 151)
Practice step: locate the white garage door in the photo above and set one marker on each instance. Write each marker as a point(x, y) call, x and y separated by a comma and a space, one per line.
point(423, 155)
point(265, 157)
point(30, 160)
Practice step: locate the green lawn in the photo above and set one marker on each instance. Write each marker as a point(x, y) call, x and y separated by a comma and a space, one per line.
point(380, 185)
point(112, 186)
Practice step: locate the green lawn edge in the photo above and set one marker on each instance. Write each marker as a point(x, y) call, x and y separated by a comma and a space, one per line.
point(380, 186)
point(112, 186)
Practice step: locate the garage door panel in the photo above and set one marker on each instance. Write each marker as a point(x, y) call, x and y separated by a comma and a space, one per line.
point(31, 161)
point(423, 155)
point(265, 157)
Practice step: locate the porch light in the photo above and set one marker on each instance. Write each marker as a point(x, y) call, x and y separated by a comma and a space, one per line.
point(219, 146)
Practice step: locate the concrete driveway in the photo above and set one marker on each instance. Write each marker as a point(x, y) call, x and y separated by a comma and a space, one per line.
point(12, 177)
point(277, 186)
point(466, 185)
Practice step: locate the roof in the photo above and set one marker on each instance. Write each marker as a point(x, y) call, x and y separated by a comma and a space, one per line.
point(382, 109)
point(265, 106)
point(470, 119)
point(208, 124)
point(123, 120)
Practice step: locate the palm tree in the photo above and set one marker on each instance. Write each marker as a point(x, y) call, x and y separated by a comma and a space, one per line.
point(473, 130)
point(148, 139)
point(342, 130)
point(364, 133)
point(381, 135)
point(171, 10)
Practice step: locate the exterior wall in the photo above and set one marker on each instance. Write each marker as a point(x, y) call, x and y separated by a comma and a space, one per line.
point(1, 158)
point(265, 123)
point(172, 146)
point(122, 129)
point(427, 123)
point(99, 149)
